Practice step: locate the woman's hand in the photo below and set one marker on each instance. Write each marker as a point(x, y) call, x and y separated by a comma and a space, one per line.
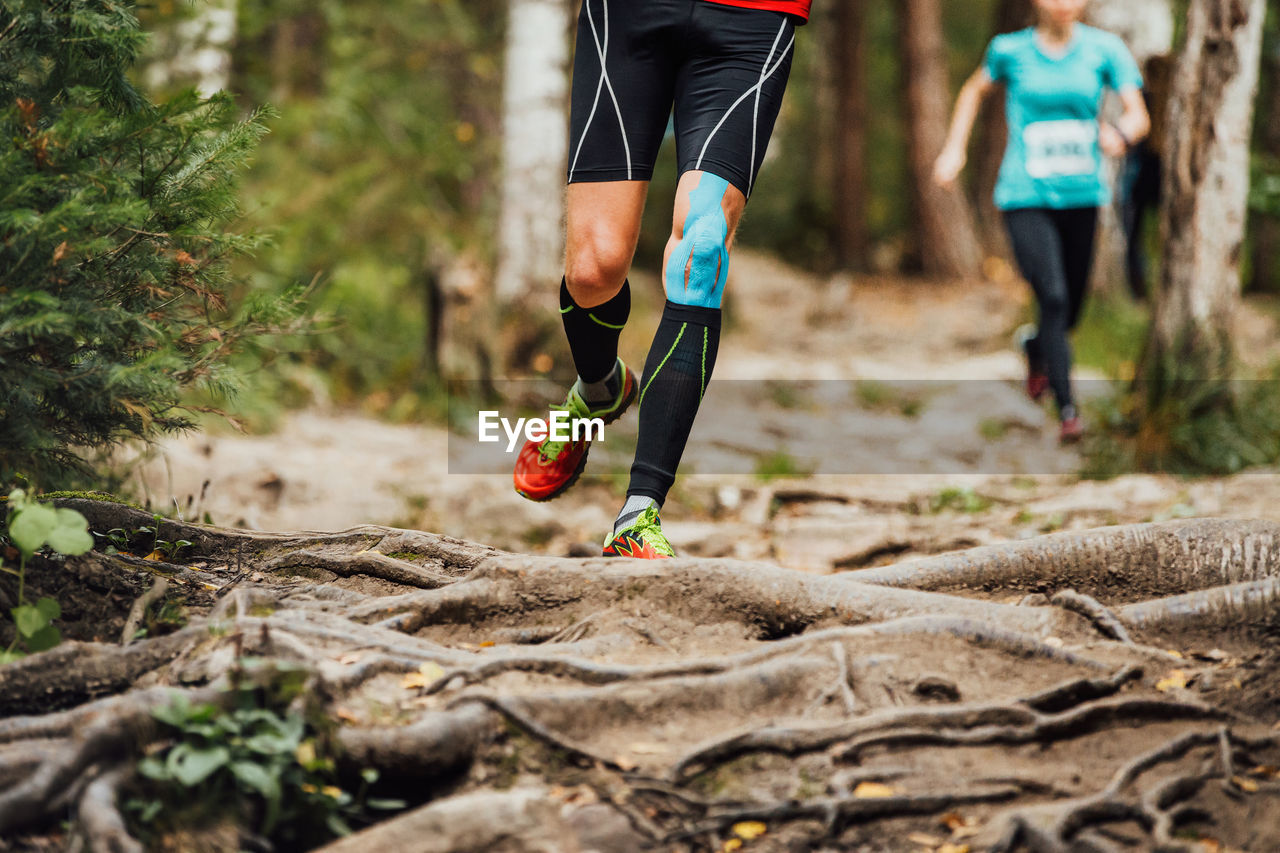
point(949, 165)
point(1112, 141)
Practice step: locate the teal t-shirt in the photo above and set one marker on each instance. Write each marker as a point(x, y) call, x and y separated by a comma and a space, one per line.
point(1052, 103)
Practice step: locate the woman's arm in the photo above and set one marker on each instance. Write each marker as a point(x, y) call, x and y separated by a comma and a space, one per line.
point(1132, 128)
point(955, 152)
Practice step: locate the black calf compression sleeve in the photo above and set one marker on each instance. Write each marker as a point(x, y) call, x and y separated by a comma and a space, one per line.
point(675, 378)
point(593, 332)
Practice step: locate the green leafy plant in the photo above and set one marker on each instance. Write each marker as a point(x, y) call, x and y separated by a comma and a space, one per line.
point(960, 499)
point(261, 759)
point(32, 526)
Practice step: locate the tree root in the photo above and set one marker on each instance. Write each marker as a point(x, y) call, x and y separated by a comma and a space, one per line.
point(1093, 610)
point(1239, 603)
point(1096, 715)
point(99, 817)
point(835, 812)
point(370, 563)
point(922, 722)
point(1182, 555)
point(1053, 828)
point(436, 745)
point(470, 823)
point(775, 602)
point(139, 609)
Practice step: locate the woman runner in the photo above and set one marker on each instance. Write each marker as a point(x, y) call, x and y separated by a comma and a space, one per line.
point(1051, 185)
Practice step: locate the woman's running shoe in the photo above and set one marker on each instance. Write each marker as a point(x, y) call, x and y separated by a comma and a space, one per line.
point(643, 539)
point(1037, 379)
point(1072, 430)
point(546, 469)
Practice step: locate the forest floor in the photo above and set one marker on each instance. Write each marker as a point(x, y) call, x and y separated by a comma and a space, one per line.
point(901, 621)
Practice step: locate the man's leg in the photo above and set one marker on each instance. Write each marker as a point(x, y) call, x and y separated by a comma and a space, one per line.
point(603, 222)
point(683, 355)
point(595, 301)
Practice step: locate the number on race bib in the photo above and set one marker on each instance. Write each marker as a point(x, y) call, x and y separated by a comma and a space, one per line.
point(1058, 149)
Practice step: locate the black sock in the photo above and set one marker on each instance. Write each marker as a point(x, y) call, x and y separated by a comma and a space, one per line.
point(675, 378)
point(593, 332)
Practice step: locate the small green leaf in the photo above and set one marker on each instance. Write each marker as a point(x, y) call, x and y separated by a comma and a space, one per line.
point(254, 777)
point(369, 775)
point(384, 804)
point(31, 526)
point(192, 766)
point(153, 768)
point(337, 825)
point(46, 638)
point(50, 608)
point(28, 619)
point(10, 657)
point(71, 536)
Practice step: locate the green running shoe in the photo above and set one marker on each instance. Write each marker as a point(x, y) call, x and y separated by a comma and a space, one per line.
point(643, 539)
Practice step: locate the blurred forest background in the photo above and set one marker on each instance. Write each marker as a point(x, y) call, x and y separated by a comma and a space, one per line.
point(381, 178)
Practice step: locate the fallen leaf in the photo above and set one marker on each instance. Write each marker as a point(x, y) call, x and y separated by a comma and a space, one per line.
point(625, 764)
point(1266, 770)
point(749, 829)
point(953, 821)
point(1245, 784)
point(867, 790)
point(332, 791)
point(953, 848)
point(350, 658)
point(731, 845)
point(154, 556)
point(487, 644)
point(60, 252)
point(1174, 652)
point(346, 716)
point(1211, 845)
point(925, 840)
point(429, 673)
point(1177, 679)
point(306, 754)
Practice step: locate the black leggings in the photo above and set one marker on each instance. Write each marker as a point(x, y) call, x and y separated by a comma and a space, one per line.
point(1054, 250)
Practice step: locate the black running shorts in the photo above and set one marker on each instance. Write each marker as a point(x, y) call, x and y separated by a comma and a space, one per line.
point(724, 68)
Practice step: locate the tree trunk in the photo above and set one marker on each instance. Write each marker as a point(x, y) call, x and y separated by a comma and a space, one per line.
point(849, 58)
point(1011, 15)
point(1206, 185)
point(195, 50)
point(535, 144)
point(1266, 226)
point(945, 236)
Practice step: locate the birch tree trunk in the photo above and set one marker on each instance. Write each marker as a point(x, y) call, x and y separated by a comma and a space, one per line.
point(849, 56)
point(945, 236)
point(196, 50)
point(1206, 184)
point(535, 144)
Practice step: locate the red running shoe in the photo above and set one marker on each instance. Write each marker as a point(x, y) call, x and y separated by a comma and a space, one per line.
point(546, 469)
point(1072, 430)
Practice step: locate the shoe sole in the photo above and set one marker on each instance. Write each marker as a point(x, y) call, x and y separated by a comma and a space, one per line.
point(582, 463)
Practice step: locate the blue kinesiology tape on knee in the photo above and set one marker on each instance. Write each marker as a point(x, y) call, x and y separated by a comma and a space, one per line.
point(703, 251)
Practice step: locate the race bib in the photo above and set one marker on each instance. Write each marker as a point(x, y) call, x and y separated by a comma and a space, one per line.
point(1057, 149)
